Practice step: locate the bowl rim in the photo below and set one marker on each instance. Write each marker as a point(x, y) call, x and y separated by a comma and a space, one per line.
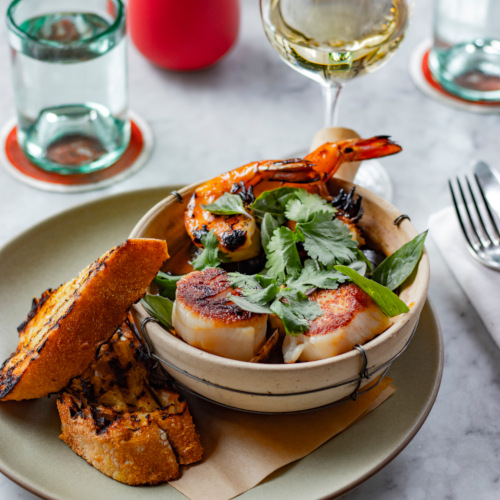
point(422, 278)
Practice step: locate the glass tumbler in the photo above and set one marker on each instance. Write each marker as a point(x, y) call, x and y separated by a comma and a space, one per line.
point(69, 72)
point(465, 57)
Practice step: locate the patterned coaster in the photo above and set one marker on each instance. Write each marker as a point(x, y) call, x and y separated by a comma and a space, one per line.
point(18, 165)
point(423, 79)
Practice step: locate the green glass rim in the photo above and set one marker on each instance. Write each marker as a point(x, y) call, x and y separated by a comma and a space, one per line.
point(15, 28)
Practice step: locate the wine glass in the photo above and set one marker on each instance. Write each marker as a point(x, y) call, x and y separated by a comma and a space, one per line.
point(334, 41)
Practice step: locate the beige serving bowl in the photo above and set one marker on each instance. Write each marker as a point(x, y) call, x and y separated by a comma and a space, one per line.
point(279, 387)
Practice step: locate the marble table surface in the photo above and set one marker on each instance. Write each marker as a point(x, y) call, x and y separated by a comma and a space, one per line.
point(252, 106)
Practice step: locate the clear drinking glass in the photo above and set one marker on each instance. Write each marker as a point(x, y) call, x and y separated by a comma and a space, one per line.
point(70, 82)
point(334, 41)
point(465, 57)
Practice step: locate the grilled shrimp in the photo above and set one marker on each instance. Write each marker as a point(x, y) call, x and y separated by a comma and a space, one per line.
point(349, 317)
point(238, 235)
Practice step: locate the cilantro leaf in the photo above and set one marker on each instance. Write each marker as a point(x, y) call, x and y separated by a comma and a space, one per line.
point(273, 202)
point(283, 257)
point(387, 300)
point(327, 240)
point(160, 308)
point(247, 305)
point(303, 206)
point(167, 283)
point(238, 280)
point(396, 268)
point(211, 256)
point(260, 296)
point(269, 224)
point(227, 204)
point(257, 291)
point(314, 275)
point(296, 311)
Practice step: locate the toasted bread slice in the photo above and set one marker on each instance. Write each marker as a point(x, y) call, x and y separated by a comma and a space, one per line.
point(131, 429)
point(66, 326)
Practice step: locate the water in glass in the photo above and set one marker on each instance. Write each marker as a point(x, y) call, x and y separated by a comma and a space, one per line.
point(70, 85)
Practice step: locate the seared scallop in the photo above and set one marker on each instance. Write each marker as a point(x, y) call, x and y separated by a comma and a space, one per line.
point(349, 317)
point(206, 318)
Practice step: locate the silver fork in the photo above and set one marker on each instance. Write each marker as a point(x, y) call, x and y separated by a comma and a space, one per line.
point(477, 221)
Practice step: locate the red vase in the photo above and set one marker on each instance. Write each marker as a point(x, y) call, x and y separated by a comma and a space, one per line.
point(183, 34)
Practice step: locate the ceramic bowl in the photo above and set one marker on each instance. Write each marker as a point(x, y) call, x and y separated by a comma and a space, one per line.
point(278, 388)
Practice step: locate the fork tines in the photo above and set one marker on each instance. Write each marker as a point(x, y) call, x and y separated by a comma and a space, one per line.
point(477, 220)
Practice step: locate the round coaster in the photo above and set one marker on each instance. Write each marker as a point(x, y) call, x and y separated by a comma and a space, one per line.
point(423, 79)
point(18, 165)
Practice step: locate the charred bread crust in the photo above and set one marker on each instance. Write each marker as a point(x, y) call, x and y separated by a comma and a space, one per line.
point(124, 450)
point(131, 429)
point(66, 326)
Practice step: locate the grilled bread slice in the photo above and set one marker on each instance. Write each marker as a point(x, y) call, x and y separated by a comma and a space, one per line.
point(65, 327)
point(125, 422)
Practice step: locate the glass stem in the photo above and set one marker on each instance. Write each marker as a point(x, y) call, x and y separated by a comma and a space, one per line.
point(331, 93)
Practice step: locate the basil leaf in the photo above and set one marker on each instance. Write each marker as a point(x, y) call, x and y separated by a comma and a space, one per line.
point(387, 300)
point(396, 268)
point(269, 224)
point(273, 202)
point(160, 308)
point(227, 204)
point(167, 283)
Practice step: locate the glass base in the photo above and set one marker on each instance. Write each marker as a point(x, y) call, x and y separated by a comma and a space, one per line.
point(74, 139)
point(469, 70)
point(373, 176)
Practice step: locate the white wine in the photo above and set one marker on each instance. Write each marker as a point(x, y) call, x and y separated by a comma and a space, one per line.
point(332, 41)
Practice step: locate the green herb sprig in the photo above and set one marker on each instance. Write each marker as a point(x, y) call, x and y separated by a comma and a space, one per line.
point(306, 248)
point(211, 255)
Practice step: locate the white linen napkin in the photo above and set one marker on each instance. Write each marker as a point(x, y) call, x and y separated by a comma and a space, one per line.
point(480, 284)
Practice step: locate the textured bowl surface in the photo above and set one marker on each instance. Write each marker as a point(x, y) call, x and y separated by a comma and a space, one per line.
point(280, 387)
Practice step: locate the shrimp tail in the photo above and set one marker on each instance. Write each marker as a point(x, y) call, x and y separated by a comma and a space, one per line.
point(350, 150)
point(375, 147)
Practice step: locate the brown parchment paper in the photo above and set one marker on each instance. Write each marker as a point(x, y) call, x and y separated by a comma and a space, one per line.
point(242, 449)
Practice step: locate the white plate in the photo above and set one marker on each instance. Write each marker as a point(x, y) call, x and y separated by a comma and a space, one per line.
point(30, 453)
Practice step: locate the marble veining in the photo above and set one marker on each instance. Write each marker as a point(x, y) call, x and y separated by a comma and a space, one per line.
point(252, 106)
